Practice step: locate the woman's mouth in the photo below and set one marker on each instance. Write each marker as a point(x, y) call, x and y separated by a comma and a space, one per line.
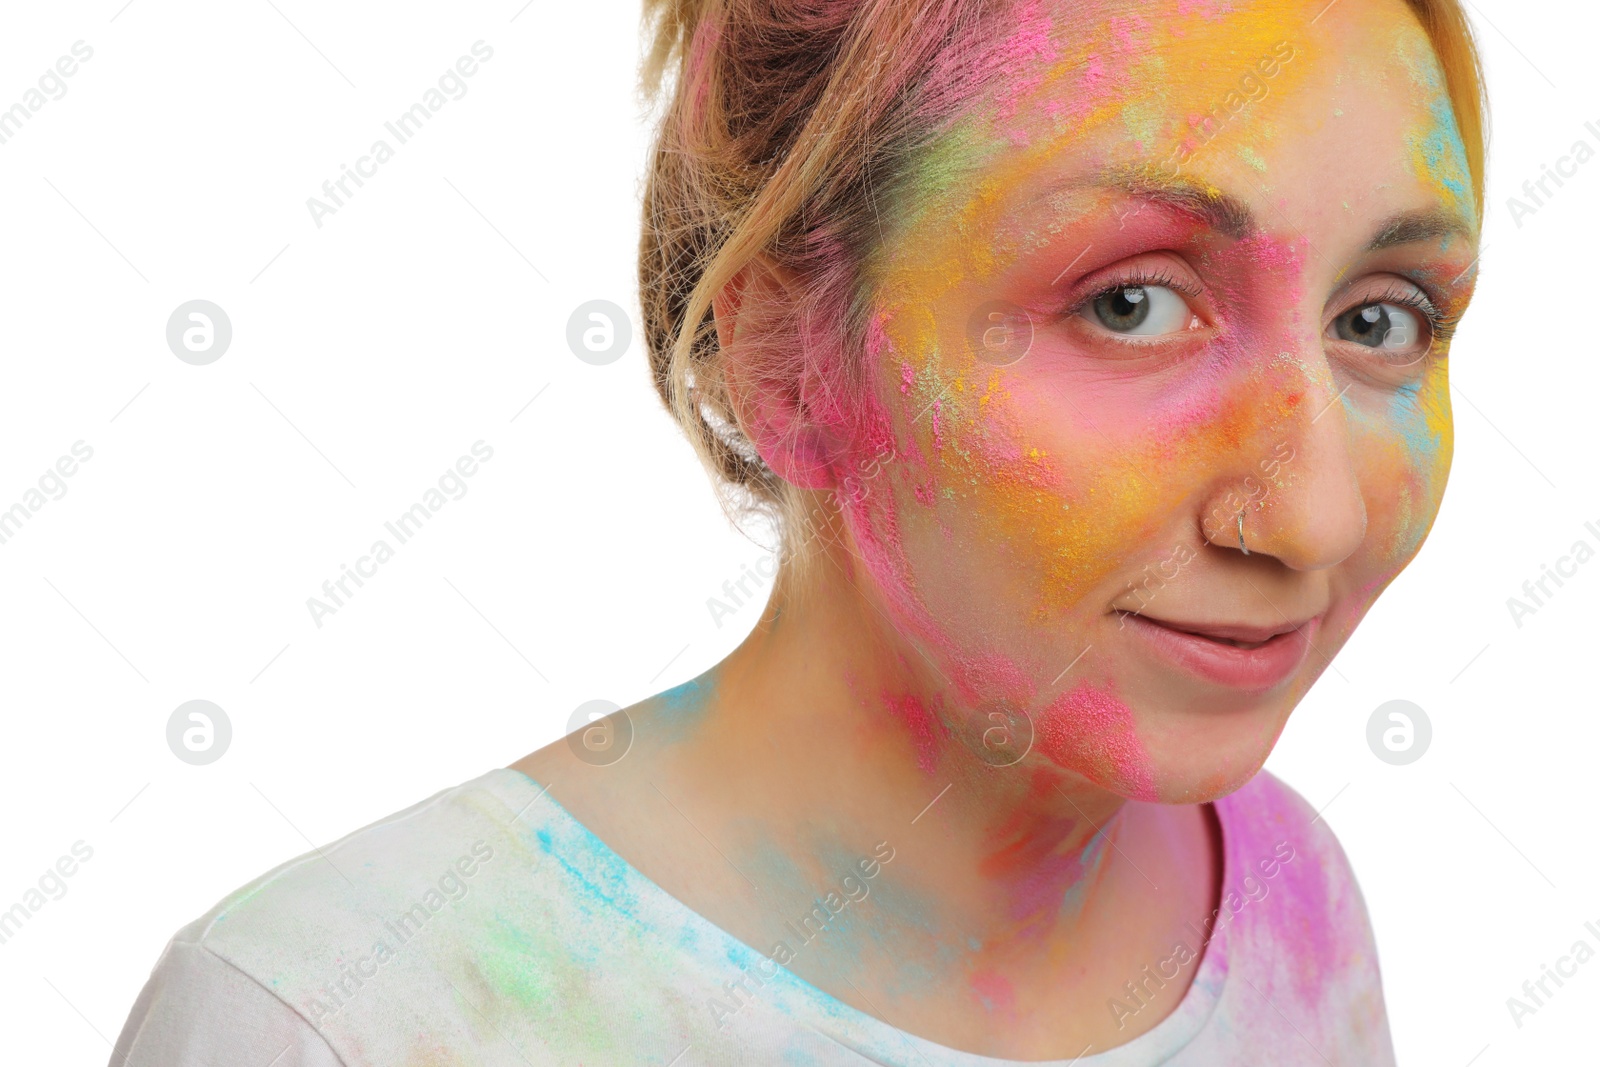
point(1237, 655)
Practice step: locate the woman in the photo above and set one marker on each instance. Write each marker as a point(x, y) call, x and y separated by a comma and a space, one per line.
point(1092, 358)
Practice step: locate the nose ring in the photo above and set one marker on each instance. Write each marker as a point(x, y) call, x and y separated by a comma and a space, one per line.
point(1242, 547)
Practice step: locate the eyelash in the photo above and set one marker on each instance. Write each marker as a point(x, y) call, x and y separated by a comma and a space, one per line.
point(1133, 280)
point(1443, 326)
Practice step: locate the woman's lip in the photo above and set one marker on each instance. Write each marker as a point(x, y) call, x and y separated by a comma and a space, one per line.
point(1276, 655)
point(1240, 633)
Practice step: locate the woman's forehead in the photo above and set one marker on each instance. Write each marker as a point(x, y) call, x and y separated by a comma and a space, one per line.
point(1243, 102)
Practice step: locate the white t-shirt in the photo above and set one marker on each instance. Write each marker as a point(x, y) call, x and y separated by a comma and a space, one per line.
point(487, 926)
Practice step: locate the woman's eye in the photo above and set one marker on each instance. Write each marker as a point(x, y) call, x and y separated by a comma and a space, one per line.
point(1139, 310)
point(1390, 328)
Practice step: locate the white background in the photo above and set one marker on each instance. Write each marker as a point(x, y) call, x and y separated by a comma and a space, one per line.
point(426, 314)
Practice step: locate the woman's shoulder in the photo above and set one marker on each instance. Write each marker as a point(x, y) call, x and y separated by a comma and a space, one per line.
point(436, 851)
point(485, 925)
point(1275, 839)
point(296, 949)
point(1297, 934)
point(1267, 820)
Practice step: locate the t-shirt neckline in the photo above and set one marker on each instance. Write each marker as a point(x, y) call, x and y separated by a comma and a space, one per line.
point(839, 1019)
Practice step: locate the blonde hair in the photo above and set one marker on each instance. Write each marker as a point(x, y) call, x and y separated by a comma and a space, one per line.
point(789, 124)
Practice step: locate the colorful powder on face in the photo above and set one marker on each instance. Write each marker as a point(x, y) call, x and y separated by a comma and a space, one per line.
point(981, 449)
point(1443, 157)
point(1029, 45)
point(1092, 85)
point(1418, 463)
point(1078, 527)
point(1252, 159)
point(1090, 731)
point(1067, 491)
point(1439, 157)
point(1406, 412)
point(1209, 9)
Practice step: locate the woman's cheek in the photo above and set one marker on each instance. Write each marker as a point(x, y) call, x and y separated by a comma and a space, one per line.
point(1409, 449)
point(1091, 731)
point(1060, 503)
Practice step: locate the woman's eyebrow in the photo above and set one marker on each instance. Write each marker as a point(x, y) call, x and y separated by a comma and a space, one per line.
point(1232, 217)
point(1424, 225)
point(1227, 215)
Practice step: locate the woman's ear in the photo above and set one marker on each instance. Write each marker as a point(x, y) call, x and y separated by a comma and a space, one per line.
point(768, 368)
point(766, 286)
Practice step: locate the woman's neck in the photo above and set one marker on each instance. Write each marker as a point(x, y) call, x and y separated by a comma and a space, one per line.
point(832, 732)
point(817, 796)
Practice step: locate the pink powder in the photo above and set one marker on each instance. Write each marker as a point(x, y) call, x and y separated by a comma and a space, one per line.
point(1002, 452)
point(874, 523)
point(925, 730)
point(1122, 30)
point(1091, 88)
point(1036, 874)
point(1026, 50)
point(1089, 730)
point(705, 41)
point(1311, 946)
point(1094, 75)
point(995, 991)
point(1210, 9)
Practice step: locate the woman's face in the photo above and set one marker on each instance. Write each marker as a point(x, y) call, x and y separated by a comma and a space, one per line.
point(1190, 262)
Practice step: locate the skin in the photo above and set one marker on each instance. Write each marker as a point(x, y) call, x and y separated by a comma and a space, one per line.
point(1000, 553)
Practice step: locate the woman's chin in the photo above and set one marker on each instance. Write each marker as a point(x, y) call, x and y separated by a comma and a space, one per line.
point(1193, 762)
